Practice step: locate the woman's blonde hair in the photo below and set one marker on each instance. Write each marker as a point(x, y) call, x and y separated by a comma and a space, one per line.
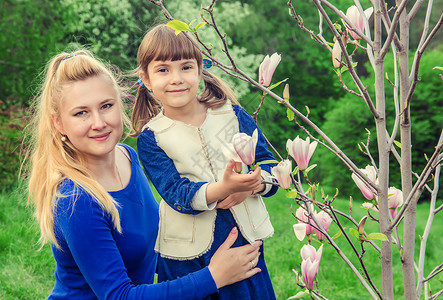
point(161, 44)
point(53, 160)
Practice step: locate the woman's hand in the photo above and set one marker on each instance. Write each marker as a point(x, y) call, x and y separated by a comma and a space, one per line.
point(229, 265)
point(233, 200)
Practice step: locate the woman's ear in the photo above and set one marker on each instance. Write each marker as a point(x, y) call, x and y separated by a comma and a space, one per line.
point(145, 78)
point(57, 124)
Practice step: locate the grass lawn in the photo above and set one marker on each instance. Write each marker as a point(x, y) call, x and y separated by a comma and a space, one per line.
point(27, 273)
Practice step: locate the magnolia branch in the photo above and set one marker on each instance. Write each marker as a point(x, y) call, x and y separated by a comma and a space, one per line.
point(351, 69)
point(418, 186)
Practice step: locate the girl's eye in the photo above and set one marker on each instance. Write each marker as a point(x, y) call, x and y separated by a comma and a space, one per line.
point(162, 70)
point(187, 67)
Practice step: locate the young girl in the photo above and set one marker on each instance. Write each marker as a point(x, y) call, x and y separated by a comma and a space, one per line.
point(93, 201)
point(183, 141)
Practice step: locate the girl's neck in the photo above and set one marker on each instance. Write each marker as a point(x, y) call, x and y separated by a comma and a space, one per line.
point(194, 115)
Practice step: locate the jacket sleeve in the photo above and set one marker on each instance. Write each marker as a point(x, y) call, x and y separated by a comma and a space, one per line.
point(177, 191)
point(262, 153)
point(87, 234)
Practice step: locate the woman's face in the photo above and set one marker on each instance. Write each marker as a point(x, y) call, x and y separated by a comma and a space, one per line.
point(90, 116)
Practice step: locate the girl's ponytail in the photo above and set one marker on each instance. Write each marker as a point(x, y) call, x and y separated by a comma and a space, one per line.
point(216, 91)
point(145, 108)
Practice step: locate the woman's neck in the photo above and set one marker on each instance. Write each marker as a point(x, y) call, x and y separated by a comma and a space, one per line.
point(106, 171)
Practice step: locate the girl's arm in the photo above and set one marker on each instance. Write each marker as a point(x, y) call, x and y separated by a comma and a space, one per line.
point(177, 191)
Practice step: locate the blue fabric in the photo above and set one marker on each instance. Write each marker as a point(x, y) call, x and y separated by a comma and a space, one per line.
point(178, 191)
point(96, 262)
point(258, 287)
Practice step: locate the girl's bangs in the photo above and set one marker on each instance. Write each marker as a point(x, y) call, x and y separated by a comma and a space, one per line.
point(176, 47)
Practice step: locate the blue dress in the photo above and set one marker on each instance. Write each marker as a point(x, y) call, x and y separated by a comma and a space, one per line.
point(156, 162)
point(97, 262)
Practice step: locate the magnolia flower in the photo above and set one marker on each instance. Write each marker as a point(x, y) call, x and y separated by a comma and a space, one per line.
point(310, 264)
point(336, 55)
point(302, 216)
point(395, 199)
point(354, 16)
point(370, 172)
point(286, 92)
point(230, 153)
point(300, 231)
point(324, 221)
point(369, 205)
point(301, 151)
point(245, 145)
point(267, 68)
point(282, 172)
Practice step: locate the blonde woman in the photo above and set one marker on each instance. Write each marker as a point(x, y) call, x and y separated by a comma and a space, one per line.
point(92, 200)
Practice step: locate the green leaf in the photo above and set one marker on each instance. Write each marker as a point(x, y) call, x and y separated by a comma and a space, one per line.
point(310, 168)
point(397, 143)
point(290, 114)
point(277, 84)
point(291, 194)
point(438, 68)
point(295, 171)
point(178, 26)
point(200, 25)
point(354, 232)
point(300, 295)
point(338, 234)
point(377, 236)
point(268, 161)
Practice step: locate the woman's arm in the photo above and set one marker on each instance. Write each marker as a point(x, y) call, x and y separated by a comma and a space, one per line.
point(89, 237)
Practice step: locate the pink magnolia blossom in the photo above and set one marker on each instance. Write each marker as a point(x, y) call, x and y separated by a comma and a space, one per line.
point(370, 172)
point(336, 55)
point(324, 221)
point(299, 231)
point(230, 153)
point(395, 200)
point(310, 264)
point(245, 145)
point(302, 215)
point(354, 16)
point(267, 68)
point(282, 172)
point(301, 151)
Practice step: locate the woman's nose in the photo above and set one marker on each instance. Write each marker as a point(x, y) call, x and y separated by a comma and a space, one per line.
point(98, 121)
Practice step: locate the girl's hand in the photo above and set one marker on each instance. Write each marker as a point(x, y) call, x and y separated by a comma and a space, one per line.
point(233, 200)
point(230, 265)
point(235, 182)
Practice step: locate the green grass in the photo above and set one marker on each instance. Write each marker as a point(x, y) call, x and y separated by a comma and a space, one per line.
point(27, 273)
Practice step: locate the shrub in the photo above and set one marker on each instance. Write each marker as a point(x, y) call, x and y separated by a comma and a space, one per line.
point(12, 123)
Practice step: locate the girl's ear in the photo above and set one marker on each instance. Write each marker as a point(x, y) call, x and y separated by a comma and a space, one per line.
point(57, 124)
point(145, 78)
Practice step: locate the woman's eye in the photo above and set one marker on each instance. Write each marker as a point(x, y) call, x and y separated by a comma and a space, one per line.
point(80, 113)
point(107, 105)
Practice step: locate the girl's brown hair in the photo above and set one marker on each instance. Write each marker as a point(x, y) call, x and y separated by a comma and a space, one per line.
point(162, 44)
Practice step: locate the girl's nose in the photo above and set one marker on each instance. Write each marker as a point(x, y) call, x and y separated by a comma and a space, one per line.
point(176, 77)
point(98, 121)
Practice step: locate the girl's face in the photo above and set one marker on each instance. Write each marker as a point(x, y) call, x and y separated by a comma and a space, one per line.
point(90, 116)
point(174, 84)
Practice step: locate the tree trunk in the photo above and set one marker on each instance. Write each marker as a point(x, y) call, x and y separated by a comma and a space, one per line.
point(383, 150)
point(406, 164)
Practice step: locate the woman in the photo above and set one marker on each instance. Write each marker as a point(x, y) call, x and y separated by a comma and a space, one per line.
point(93, 202)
